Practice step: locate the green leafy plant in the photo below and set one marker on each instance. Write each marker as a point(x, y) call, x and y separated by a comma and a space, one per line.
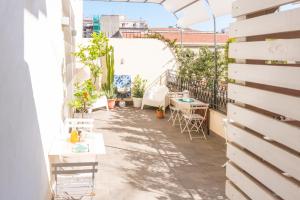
point(91, 54)
point(85, 95)
point(201, 66)
point(138, 87)
point(160, 109)
point(110, 93)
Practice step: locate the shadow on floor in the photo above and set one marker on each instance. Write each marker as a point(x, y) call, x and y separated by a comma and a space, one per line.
point(147, 158)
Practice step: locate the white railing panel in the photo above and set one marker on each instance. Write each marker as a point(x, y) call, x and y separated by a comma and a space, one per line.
point(244, 7)
point(232, 193)
point(278, 157)
point(276, 130)
point(276, 182)
point(249, 186)
point(267, 24)
point(280, 49)
point(282, 104)
point(280, 76)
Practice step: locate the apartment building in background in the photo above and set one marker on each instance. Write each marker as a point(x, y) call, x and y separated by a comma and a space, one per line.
point(119, 26)
point(112, 25)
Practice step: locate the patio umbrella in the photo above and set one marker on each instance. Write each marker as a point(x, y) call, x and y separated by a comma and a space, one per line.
point(190, 11)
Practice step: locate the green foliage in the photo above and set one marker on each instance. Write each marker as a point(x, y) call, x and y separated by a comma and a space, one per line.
point(138, 87)
point(109, 92)
point(110, 66)
point(85, 95)
point(201, 65)
point(160, 109)
point(171, 43)
point(108, 87)
point(228, 60)
point(90, 55)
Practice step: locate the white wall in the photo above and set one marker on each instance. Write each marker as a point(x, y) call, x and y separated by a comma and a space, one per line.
point(216, 122)
point(149, 58)
point(31, 100)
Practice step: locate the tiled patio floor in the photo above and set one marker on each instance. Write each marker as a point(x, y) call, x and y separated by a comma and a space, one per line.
point(147, 158)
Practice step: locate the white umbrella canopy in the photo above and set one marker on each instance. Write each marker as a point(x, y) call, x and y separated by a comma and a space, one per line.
point(190, 12)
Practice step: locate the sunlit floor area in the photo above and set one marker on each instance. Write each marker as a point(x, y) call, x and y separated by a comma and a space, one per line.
point(147, 158)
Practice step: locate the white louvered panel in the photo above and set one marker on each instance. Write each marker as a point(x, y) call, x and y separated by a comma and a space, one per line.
point(280, 76)
point(265, 24)
point(244, 7)
point(278, 157)
point(282, 104)
point(270, 178)
point(276, 130)
point(232, 193)
point(281, 49)
point(248, 185)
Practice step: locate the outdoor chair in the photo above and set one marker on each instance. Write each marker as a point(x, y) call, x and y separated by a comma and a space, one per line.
point(174, 111)
point(74, 181)
point(79, 124)
point(156, 96)
point(191, 121)
point(101, 102)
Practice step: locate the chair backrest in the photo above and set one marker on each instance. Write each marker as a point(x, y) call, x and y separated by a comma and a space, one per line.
point(74, 168)
point(76, 188)
point(79, 124)
point(157, 93)
point(192, 109)
point(175, 94)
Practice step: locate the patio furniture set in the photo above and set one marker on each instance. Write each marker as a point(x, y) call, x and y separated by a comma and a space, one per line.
point(74, 164)
point(189, 113)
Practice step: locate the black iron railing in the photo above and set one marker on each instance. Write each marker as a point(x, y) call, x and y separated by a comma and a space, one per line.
point(200, 90)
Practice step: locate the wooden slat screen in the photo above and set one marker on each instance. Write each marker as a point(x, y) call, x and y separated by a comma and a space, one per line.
point(264, 130)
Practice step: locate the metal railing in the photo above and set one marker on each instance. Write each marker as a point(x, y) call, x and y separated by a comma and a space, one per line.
point(200, 90)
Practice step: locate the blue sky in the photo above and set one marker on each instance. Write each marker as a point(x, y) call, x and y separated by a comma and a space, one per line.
point(154, 14)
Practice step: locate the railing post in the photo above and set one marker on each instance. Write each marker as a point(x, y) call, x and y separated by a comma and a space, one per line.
point(215, 82)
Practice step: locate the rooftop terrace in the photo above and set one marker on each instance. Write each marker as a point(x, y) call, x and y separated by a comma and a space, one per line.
point(147, 158)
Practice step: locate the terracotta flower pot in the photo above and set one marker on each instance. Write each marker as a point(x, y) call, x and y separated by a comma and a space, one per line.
point(160, 114)
point(111, 103)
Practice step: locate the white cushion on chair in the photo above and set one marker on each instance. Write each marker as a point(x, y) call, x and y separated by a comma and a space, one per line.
point(156, 96)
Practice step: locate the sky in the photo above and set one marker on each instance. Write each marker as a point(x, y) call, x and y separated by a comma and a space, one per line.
point(154, 14)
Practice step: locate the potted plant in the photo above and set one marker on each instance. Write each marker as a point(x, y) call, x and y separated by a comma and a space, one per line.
point(111, 97)
point(160, 112)
point(85, 94)
point(138, 90)
point(108, 87)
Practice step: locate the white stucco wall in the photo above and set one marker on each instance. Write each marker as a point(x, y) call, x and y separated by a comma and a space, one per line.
point(31, 100)
point(149, 58)
point(216, 122)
